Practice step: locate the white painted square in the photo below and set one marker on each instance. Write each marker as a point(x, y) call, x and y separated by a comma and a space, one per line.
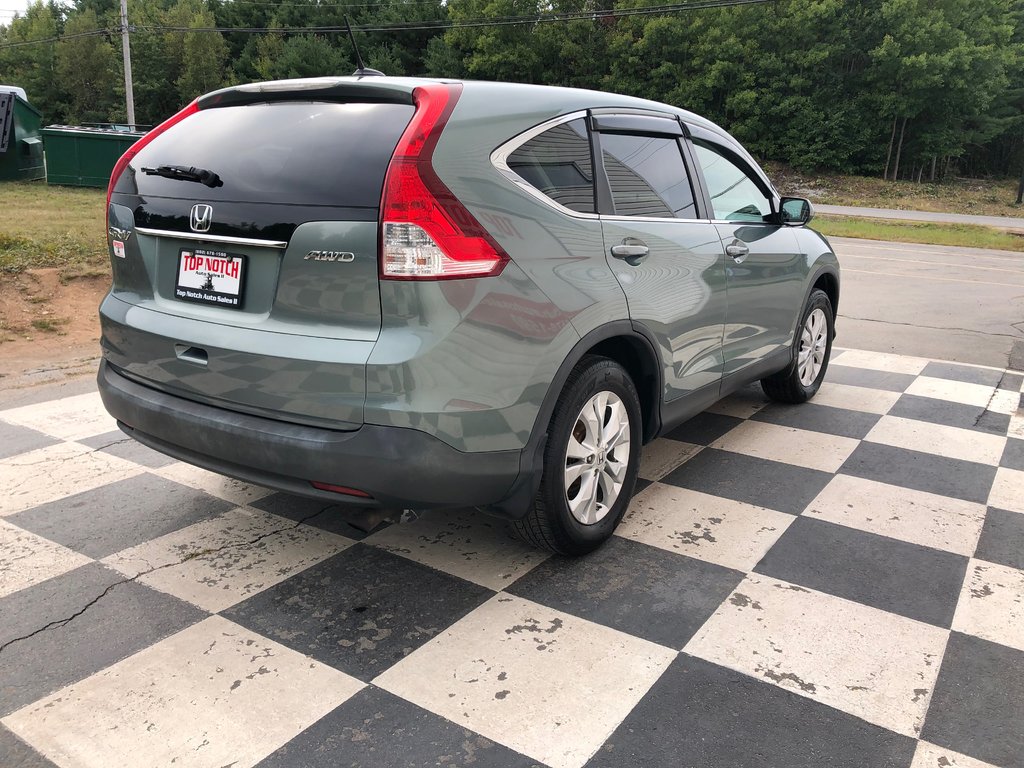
point(964, 392)
point(991, 604)
point(467, 544)
point(900, 513)
point(27, 559)
point(853, 398)
point(932, 756)
point(69, 418)
point(710, 528)
point(1016, 428)
point(211, 695)
point(1004, 401)
point(881, 361)
point(221, 561)
point(938, 439)
point(1007, 490)
point(222, 487)
point(804, 448)
point(663, 455)
point(869, 663)
point(547, 684)
point(51, 473)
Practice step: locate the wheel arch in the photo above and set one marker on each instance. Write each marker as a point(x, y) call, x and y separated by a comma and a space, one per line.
point(629, 345)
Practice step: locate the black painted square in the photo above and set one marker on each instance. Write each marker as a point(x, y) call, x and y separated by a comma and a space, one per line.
point(118, 444)
point(113, 618)
point(896, 576)
point(375, 728)
point(119, 515)
point(15, 440)
point(701, 715)
point(641, 590)
point(964, 373)
point(978, 704)
point(771, 484)
point(965, 480)
point(950, 414)
point(819, 418)
point(360, 611)
point(704, 428)
point(866, 377)
point(1002, 538)
point(321, 514)
point(1012, 381)
point(1013, 454)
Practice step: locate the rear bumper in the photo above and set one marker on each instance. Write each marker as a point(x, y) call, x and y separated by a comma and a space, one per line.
point(400, 468)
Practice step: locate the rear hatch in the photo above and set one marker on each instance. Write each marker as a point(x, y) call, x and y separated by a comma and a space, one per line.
point(244, 251)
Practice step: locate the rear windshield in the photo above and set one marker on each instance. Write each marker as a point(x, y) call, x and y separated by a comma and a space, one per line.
point(293, 152)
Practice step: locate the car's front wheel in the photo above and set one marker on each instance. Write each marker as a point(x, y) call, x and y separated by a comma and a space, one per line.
point(590, 462)
point(812, 349)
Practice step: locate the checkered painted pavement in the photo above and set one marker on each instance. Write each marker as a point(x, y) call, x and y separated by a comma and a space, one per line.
point(834, 584)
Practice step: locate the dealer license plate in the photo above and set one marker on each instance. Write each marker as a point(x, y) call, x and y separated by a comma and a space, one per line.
point(210, 277)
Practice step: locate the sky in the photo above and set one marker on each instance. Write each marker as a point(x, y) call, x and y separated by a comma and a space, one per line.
point(9, 7)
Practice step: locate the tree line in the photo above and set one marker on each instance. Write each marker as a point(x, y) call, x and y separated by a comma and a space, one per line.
point(908, 89)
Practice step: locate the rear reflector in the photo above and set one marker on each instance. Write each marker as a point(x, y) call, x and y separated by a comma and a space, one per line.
point(340, 489)
point(427, 233)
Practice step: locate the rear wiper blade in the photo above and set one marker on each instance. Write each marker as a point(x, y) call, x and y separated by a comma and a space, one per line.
point(185, 173)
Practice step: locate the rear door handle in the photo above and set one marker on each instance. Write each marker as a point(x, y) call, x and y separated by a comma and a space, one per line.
point(737, 250)
point(631, 250)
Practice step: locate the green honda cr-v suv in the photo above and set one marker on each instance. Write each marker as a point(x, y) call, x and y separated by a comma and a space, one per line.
point(420, 294)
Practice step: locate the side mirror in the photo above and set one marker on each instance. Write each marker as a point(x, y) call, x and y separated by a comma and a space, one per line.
point(796, 211)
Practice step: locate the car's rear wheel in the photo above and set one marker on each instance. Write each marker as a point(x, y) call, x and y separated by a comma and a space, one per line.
point(590, 462)
point(812, 349)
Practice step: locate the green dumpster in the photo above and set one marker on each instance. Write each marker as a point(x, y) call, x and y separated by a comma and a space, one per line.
point(21, 149)
point(82, 156)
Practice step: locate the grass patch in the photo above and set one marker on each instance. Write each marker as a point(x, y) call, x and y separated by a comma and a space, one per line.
point(928, 233)
point(50, 324)
point(983, 197)
point(46, 226)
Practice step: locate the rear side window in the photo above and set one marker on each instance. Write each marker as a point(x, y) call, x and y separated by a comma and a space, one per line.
point(647, 176)
point(304, 153)
point(557, 162)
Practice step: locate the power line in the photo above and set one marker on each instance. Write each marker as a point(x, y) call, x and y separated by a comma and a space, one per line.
point(440, 24)
point(494, 21)
point(58, 38)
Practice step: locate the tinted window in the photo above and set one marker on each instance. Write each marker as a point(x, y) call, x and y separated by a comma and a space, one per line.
point(734, 195)
point(291, 152)
point(557, 162)
point(647, 176)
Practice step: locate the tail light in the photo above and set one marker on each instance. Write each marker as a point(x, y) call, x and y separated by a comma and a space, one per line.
point(138, 146)
point(426, 233)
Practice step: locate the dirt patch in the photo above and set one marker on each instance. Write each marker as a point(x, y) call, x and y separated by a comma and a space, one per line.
point(49, 326)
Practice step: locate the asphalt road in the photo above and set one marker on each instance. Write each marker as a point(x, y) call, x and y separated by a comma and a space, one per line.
point(1003, 222)
point(960, 304)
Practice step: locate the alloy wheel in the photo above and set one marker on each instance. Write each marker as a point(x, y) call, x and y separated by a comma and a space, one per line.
point(597, 457)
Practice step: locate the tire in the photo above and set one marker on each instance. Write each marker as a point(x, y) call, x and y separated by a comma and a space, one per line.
point(793, 384)
point(551, 522)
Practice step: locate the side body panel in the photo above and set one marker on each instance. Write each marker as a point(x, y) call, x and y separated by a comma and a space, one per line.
point(678, 293)
point(765, 291)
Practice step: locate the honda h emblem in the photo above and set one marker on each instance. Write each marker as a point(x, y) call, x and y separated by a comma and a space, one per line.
point(201, 218)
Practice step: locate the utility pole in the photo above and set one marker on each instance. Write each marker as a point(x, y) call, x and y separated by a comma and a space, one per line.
point(126, 49)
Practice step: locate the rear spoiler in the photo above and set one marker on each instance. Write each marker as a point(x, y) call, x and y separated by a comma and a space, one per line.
point(365, 90)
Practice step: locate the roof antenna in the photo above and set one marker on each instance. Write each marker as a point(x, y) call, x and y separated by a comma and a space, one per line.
point(363, 70)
